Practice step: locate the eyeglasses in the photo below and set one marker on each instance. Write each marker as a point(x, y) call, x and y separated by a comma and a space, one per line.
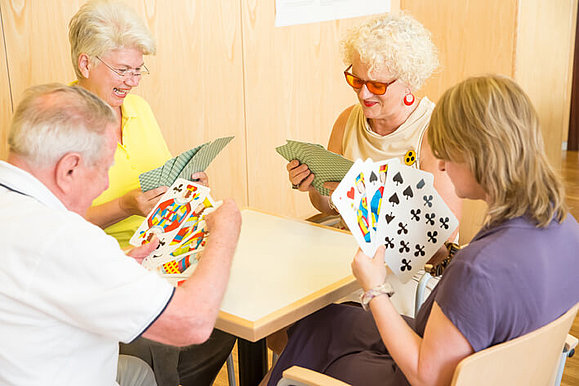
point(376, 88)
point(125, 73)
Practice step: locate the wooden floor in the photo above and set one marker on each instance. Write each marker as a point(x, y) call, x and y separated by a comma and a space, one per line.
point(570, 173)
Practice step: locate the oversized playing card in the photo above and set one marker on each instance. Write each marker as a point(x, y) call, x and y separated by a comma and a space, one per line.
point(170, 213)
point(201, 160)
point(377, 173)
point(182, 166)
point(325, 165)
point(352, 202)
point(414, 220)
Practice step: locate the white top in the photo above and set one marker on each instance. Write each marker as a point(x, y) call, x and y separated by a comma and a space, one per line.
point(68, 294)
point(360, 141)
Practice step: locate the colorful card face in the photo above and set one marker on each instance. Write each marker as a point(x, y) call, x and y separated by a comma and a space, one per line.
point(178, 220)
point(171, 211)
point(395, 205)
point(351, 200)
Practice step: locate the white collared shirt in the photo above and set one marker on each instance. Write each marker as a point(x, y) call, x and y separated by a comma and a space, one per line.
point(68, 294)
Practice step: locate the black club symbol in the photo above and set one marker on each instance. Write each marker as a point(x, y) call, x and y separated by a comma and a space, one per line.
point(388, 242)
point(419, 250)
point(406, 265)
point(402, 228)
point(430, 218)
point(444, 222)
point(415, 214)
point(428, 200)
point(404, 247)
point(432, 236)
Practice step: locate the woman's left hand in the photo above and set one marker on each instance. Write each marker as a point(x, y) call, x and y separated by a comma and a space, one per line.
point(370, 272)
point(201, 178)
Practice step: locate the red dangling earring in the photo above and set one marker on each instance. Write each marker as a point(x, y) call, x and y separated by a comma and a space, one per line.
point(408, 99)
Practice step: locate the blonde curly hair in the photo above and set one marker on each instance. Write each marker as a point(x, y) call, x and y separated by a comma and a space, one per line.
point(398, 44)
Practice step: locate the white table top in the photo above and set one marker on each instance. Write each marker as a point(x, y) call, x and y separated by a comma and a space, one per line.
point(283, 270)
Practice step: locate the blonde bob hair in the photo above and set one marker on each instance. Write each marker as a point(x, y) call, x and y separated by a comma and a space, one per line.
point(100, 26)
point(489, 123)
point(395, 43)
point(53, 120)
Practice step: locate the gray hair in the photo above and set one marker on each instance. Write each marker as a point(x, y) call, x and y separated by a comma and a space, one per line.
point(396, 43)
point(53, 120)
point(100, 26)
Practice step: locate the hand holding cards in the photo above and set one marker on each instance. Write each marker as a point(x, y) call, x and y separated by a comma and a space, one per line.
point(178, 222)
point(325, 165)
point(397, 206)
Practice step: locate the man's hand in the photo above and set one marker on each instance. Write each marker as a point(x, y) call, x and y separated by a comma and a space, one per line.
point(226, 218)
point(139, 253)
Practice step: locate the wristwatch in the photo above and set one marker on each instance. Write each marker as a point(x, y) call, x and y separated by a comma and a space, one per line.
point(382, 289)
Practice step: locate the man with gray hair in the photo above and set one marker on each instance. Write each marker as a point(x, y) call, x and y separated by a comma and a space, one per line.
point(68, 293)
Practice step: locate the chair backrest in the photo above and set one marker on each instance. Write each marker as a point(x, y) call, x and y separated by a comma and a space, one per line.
point(531, 359)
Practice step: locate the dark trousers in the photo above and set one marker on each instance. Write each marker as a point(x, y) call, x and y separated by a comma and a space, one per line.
point(187, 366)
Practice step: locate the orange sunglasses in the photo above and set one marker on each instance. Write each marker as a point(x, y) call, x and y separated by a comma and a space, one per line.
point(376, 88)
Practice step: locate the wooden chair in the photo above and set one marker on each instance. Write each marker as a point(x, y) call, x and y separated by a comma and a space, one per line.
point(532, 359)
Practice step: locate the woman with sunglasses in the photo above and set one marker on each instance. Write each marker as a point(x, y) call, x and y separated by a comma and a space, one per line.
point(389, 58)
point(108, 41)
point(516, 275)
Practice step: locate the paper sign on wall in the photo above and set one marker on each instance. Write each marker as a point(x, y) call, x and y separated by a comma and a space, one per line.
point(291, 12)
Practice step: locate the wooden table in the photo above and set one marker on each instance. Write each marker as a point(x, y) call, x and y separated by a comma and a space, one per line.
point(284, 269)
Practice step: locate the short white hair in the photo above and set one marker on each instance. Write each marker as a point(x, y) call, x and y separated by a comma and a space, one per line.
point(100, 26)
point(398, 44)
point(53, 120)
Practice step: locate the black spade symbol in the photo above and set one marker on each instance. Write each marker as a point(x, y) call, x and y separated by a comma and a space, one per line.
point(408, 192)
point(398, 179)
point(420, 184)
point(373, 177)
point(389, 217)
point(394, 199)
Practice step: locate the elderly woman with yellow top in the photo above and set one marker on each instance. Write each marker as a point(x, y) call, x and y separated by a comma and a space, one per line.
point(108, 41)
point(388, 59)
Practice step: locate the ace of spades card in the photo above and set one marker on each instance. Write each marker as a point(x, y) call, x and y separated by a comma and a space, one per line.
point(170, 214)
point(414, 220)
point(351, 200)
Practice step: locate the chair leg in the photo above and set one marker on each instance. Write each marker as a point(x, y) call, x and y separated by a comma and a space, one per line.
point(420, 289)
point(568, 352)
point(231, 370)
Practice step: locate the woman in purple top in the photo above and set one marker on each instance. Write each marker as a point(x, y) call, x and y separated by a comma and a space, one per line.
point(516, 275)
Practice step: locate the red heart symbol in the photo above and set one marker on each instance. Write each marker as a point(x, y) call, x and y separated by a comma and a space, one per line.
point(350, 193)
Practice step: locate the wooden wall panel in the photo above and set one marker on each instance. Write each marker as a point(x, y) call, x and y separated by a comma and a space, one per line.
point(5, 99)
point(544, 54)
point(196, 85)
point(37, 42)
point(195, 88)
point(294, 89)
point(473, 37)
